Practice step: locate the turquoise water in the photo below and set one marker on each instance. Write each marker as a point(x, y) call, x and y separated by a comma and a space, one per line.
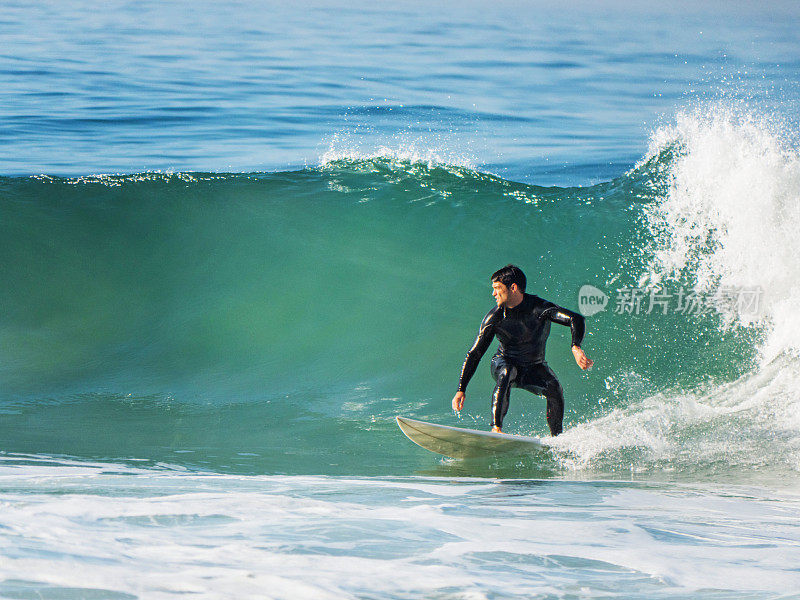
point(278, 322)
point(240, 238)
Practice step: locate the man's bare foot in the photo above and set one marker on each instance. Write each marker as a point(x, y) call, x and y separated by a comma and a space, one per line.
point(496, 430)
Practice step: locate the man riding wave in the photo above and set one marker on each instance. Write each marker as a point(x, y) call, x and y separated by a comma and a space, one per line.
point(521, 322)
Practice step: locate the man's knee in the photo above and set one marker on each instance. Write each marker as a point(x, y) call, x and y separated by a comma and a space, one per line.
point(506, 373)
point(503, 373)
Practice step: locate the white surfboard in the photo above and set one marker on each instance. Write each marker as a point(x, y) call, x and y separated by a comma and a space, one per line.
point(465, 443)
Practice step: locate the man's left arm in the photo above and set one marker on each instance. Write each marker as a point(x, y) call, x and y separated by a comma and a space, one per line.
point(577, 325)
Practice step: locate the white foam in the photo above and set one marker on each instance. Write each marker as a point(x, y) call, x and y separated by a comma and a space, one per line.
point(403, 147)
point(743, 430)
point(160, 534)
point(731, 212)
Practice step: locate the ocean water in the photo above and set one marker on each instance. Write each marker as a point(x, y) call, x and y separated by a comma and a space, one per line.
point(239, 238)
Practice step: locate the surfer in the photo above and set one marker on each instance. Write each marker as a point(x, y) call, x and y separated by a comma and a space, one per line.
point(521, 323)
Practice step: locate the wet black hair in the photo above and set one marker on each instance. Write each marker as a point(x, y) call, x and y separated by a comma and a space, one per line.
point(508, 275)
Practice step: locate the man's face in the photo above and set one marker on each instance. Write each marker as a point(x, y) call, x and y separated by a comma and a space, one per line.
point(500, 292)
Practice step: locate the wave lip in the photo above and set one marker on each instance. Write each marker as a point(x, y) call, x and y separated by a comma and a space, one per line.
point(429, 150)
point(727, 214)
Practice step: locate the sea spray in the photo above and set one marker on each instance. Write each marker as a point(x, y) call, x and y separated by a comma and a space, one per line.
point(730, 214)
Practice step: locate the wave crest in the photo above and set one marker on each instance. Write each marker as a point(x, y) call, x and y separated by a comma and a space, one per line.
point(727, 212)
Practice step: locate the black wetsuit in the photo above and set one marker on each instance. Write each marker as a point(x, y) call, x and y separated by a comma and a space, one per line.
point(519, 360)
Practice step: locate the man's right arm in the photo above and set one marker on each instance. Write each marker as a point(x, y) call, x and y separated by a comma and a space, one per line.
point(482, 342)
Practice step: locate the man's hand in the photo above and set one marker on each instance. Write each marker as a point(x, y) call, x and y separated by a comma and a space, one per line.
point(584, 362)
point(458, 401)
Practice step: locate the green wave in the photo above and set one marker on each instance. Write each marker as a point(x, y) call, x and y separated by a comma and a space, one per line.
point(295, 312)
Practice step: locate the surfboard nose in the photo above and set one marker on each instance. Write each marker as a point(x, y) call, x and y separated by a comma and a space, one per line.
point(464, 443)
